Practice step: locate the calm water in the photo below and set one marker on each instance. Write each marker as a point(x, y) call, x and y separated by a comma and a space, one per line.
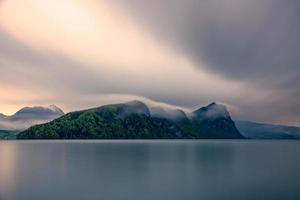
point(148, 170)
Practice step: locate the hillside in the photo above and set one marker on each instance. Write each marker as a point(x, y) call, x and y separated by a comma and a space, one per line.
point(134, 120)
point(8, 134)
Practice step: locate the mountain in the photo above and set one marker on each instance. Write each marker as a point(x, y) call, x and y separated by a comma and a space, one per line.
point(212, 111)
point(37, 112)
point(256, 130)
point(29, 116)
point(2, 116)
point(134, 120)
point(214, 121)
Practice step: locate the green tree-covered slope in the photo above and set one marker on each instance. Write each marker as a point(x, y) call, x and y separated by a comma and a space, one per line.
point(8, 134)
point(132, 120)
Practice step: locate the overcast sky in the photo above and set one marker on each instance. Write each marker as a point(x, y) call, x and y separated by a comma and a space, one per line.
point(85, 53)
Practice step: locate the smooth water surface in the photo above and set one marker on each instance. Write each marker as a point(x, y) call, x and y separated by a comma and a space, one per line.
point(148, 170)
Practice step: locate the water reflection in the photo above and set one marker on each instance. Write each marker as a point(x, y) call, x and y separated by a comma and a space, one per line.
point(7, 169)
point(146, 170)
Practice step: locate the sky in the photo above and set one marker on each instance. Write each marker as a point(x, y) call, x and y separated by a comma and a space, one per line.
point(85, 53)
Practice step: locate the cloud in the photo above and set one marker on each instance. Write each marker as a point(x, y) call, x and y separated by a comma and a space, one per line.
point(186, 53)
point(255, 42)
point(235, 37)
point(49, 59)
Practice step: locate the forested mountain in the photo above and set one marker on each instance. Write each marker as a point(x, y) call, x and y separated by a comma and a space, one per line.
point(134, 120)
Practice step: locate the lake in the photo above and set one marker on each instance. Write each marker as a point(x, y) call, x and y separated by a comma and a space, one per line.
point(150, 170)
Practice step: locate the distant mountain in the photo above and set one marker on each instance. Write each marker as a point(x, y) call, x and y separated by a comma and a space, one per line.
point(29, 116)
point(256, 130)
point(2, 116)
point(135, 120)
point(37, 112)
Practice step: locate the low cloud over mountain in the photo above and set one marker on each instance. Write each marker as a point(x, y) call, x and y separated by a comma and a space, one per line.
point(29, 116)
